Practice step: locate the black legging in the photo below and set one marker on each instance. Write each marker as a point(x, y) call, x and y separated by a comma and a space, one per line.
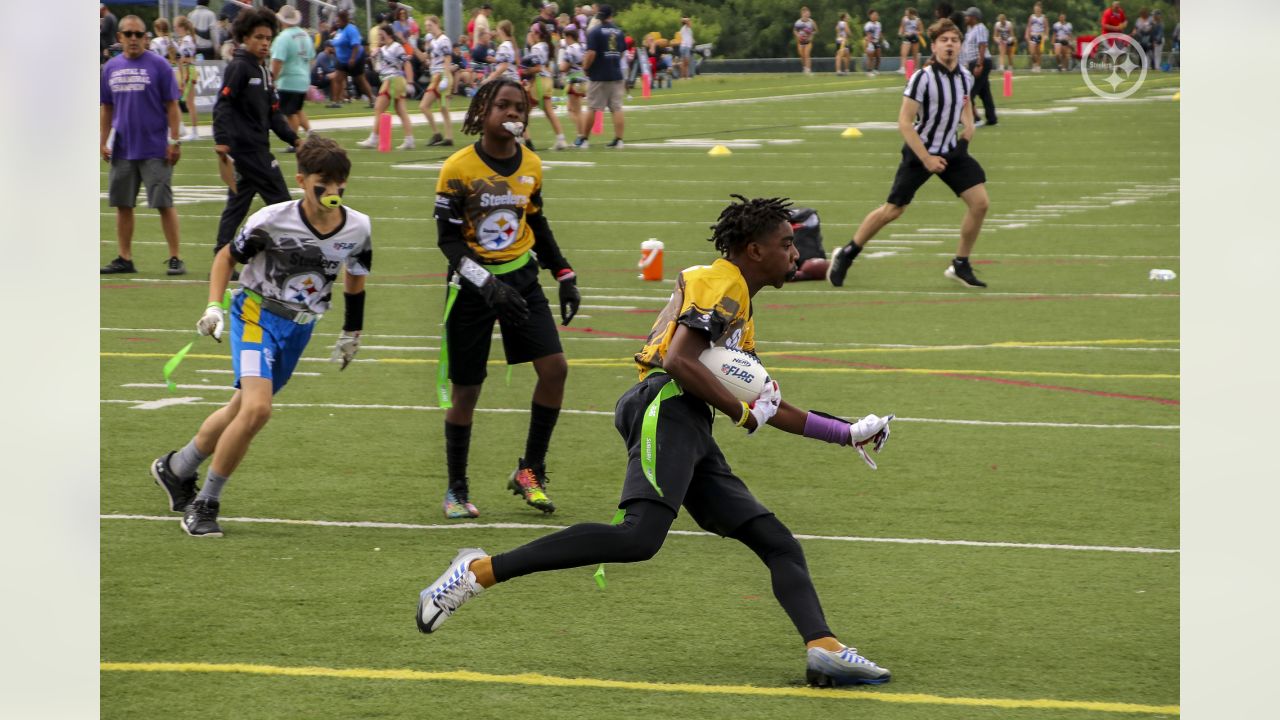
point(639, 537)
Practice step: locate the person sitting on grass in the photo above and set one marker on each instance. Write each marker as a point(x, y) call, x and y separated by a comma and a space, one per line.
point(292, 252)
point(665, 421)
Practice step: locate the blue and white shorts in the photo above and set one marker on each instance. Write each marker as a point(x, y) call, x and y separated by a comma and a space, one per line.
point(263, 344)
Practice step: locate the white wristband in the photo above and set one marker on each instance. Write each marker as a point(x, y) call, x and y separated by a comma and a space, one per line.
point(471, 270)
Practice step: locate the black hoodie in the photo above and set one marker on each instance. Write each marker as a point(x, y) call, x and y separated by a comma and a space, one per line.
point(247, 107)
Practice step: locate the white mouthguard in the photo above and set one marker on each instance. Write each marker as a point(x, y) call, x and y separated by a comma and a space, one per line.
point(515, 128)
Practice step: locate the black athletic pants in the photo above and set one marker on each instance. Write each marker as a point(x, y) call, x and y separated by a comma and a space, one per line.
point(982, 90)
point(639, 537)
point(257, 173)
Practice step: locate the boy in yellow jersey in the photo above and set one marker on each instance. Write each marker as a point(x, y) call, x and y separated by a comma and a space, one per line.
point(665, 421)
point(489, 217)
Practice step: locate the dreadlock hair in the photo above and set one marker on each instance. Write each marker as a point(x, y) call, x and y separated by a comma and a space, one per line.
point(473, 123)
point(743, 222)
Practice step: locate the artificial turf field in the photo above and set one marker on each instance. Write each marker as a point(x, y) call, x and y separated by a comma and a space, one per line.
point(1037, 420)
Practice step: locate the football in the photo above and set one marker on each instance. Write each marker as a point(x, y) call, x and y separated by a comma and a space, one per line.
point(740, 373)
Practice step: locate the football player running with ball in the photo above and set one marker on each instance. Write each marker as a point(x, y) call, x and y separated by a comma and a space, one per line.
point(673, 460)
point(489, 217)
point(292, 252)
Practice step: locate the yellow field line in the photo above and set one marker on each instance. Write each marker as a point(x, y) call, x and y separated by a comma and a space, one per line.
point(615, 363)
point(690, 688)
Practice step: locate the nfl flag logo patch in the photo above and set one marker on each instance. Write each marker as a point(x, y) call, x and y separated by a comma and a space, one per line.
point(526, 180)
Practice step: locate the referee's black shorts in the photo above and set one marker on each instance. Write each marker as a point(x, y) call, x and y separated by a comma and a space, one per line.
point(470, 328)
point(689, 466)
point(962, 173)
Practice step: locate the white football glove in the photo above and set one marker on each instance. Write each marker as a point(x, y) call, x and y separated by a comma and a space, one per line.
point(870, 430)
point(766, 404)
point(345, 349)
point(212, 322)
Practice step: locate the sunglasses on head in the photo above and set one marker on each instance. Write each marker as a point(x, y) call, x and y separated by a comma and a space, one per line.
point(133, 33)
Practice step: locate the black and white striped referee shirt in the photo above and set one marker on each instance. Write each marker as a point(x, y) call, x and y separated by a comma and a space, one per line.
point(942, 94)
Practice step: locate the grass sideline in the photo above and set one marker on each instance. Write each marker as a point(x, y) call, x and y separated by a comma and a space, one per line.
point(1071, 333)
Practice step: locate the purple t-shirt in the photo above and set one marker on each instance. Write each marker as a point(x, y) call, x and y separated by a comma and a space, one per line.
point(137, 90)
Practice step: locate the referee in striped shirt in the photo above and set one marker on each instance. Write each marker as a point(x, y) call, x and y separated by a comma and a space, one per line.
point(936, 103)
point(975, 55)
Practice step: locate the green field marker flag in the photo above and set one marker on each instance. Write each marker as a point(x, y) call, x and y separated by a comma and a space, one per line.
point(177, 358)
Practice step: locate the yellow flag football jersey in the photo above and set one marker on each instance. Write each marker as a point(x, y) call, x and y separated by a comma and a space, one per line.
point(712, 298)
point(493, 206)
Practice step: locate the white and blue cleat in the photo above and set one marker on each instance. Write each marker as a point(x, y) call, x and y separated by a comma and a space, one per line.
point(825, 668)
point(443, 597)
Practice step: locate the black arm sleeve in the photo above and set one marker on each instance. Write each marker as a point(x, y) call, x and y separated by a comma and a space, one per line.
point(452, 244)
point(224, 120)
point(449, 219)
point(353, 312)
point(545, 246)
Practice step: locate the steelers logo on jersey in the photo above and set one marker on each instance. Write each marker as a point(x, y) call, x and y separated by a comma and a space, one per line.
point(499, 229)
point(299, 288)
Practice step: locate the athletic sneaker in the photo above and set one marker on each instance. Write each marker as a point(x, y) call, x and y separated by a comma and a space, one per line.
point(176, 267)
point(530, 483)
point(181, 491)
point(118, 266)
point(560, 144)
point(447, 142)
point(456, 505)
point(825, 668)
point(201, 519)
point(841, 259)
point(407, 144)
point(615, 145)
point(443, 597)
point(190, 137)
point(436, 139)
point(962, 272)
point(368, 143)
point(581, 143)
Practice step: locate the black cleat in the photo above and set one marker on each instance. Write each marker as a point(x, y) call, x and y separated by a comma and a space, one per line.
point(118, 266)
point(841, 260)
point(181, 491)
point(175, 266)
point(201, 519)
point(962, 272)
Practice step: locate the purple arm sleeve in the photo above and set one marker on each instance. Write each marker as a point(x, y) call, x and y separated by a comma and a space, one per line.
point(827, 429)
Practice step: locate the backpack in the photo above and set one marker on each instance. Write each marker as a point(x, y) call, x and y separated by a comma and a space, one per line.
point(808, 229)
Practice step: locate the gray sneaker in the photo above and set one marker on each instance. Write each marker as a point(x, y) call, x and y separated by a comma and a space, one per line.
point(825, 668)
point(176, 267)
point(443, 597)
point(201, 518)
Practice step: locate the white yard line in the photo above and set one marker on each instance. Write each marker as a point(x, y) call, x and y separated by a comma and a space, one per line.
point(606, 413)
point(370, 525)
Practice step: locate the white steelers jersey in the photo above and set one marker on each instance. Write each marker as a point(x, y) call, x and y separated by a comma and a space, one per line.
point(299, 265)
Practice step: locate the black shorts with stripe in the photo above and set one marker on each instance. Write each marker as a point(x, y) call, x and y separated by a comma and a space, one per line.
point(962, 173)
point(470, 328)
point(688, 466)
